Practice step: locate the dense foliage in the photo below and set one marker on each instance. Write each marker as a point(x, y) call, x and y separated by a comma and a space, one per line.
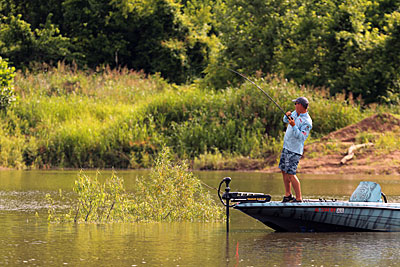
point(346, 46)
point(72, 118)
point(154, 35)
point(170, 193)
point(342, 45)
point(80, 107)
point(7, 95)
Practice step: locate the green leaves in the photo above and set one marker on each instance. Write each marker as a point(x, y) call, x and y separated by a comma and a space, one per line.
point(170, 193)
point(170, 37)
point(7, 95)
point(95, 201)
point(98, 202)
point(25, 47)
point(341, 45)
point(349, 46)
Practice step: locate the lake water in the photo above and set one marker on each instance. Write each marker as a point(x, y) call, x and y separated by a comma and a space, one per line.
point(28, 240)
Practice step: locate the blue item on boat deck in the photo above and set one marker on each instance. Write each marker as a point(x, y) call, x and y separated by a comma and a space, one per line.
point(367, 192)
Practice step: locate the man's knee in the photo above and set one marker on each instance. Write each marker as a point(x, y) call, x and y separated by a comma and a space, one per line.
point(291, 177)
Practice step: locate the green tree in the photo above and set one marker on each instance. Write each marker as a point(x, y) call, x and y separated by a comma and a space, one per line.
point(337, 44)
point(250, 34)
point(165, 36)
point(35, 12)
point(24, 46)
point(153, 35)
point(7, 95)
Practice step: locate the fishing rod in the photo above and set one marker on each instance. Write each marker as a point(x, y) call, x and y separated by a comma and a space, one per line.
point(260, 90)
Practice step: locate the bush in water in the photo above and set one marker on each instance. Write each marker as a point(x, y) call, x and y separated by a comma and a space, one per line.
point(171, 194)
point(96, 202)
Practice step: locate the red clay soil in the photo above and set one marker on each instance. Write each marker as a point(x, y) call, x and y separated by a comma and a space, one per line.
point(365, 161)
point(375, 124)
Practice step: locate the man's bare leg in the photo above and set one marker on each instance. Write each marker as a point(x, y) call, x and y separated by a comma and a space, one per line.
point(296, 185)
point(287, 184)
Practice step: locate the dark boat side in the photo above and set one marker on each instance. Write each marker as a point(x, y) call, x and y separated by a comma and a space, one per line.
point(325, 216)
point(365, 211)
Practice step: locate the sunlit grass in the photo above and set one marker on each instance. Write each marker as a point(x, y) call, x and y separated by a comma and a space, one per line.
point(119, 118)
point(389, 141)
point(118, 85)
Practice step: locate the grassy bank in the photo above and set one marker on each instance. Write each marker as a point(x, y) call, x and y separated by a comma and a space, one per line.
point(117, 118)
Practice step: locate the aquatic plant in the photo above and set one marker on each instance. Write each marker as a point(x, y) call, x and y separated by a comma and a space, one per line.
point(95, 201)
point(170, 193)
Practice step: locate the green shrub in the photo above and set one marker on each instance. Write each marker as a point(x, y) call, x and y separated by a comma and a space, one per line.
point(25, 46)
point(389, 141)
point(171, 193)
point(11, 150)
point(7, 74)
point(96, 202)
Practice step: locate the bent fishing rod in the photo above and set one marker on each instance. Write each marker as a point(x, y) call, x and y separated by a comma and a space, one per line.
point(270, 98)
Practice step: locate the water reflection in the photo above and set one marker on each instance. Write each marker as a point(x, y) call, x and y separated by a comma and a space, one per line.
point(317, 249)
point(30, 240)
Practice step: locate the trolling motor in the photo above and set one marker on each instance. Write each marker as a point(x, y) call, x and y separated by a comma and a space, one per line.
point(238, 197)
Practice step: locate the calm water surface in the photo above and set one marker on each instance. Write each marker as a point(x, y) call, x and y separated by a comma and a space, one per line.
point(26, 239)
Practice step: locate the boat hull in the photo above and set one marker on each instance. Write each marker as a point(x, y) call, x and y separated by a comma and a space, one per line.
point(325, 216)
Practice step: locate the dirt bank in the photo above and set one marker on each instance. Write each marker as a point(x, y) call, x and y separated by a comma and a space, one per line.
point(324, 156)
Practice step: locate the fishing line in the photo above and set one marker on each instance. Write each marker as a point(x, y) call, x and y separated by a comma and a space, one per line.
point(209, 186)
point(270, 98)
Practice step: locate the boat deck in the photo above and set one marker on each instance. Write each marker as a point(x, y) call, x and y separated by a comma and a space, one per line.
point(324, 203)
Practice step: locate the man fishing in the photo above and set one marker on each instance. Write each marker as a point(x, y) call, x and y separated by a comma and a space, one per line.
point(299, 126)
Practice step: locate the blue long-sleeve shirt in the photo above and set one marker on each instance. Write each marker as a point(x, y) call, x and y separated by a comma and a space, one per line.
point(296, 135)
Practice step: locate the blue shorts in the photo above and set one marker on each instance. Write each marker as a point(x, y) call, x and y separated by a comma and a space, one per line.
point(289, 161)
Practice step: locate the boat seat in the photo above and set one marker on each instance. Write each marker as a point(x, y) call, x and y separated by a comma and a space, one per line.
point(367, 192)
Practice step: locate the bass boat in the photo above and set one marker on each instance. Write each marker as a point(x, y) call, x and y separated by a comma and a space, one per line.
point(366, 210)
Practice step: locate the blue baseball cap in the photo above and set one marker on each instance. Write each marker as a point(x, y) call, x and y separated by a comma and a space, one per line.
point(302, 100)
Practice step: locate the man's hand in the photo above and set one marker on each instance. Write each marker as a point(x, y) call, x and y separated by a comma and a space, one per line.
point(291, 120)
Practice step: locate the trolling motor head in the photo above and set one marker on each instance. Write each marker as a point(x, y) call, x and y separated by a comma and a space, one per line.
point(227, 180)
point(239, 197)
point(226, 196)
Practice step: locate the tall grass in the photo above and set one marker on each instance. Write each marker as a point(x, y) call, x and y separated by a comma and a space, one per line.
point(115, 85)
point(118, 118)
point(383, 142)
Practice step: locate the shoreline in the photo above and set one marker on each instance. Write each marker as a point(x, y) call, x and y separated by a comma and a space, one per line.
point(306, 168)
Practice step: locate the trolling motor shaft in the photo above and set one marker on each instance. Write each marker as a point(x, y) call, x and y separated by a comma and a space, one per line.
point(238, 197)
point(227, 180)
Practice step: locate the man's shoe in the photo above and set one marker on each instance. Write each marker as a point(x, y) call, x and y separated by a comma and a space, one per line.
point(288, 199)
point(296, 201)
